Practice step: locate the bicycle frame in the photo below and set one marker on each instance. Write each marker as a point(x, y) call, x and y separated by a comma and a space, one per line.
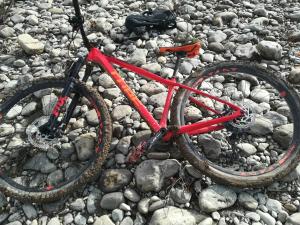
point(106, 62)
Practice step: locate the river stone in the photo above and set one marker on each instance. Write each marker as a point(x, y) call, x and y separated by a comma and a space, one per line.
point(114, 179)
point(247, 201)
point(152, 88)
point(269, 50)
point(261, 126)
point(266, 218)
point(29, 108)
point(216, 197)
point(293, 219)
point(121, 111)
point(30, 45)
point(103, 220)
point(210, 146)
point(138, 57)
point(276, 118)
point(112, 200)
point(158, 99)
point(274, 205)
point(246, 148)
point(85, 146)
point(283, 134)
point(6, 129)
point(92, 117)
point(7, 32)
point(150, 174)
point(175, 216)
point(93, 201)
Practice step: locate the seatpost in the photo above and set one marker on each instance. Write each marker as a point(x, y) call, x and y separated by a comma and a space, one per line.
point(177, 63)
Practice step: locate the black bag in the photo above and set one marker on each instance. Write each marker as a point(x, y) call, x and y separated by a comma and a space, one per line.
point(158, 19)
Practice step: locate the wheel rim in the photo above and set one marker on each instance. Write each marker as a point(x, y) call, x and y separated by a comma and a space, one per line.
point(259, 150)
point(35, 163)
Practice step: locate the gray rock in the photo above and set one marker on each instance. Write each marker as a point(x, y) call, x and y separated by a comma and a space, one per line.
point(294, 175)
point(207, 221)
point(117, 215)
point(152, 88)
point(223, 18)
point(185, 68)
point(152, 67)
point(180, 195)
point(270, 50)
point(123, 145)
point(6, 129)
point(217, 36)
point(246, 148)
point(68, 218)
point(138, 57)
point(192, 113)
point(247, 201)
point(143, 205)
point(48, 102)
point(131, 195)
point(184, 26)
point(216, 197)
point(216, 47)
point(54, 221)
point(244, 87)
point(109, 48)
point(253, 216)
point(102, 25)
point(85, 146)
point(121, 111)
point(207, 57)
point(32, 19)
point(80, 219)
point(14, 112)
point(30, 45)
point(274, 205)
point(40, 162)
point(293, 219)
point(29, 211)
point(140, 136)
point(106, 81)
point(266, 218)
point(246, 51)
point(261, 126)
point(77, 205)
point(175, 216)
point(294, 76)
point(103, 220)
point(260, 95)
point(127, 221)
point(112, 200)
point(93, 200)
point(210, 146)
point(29, 108)
point(92, 117)
point(7, 32)
point(276, 118)
point(150, 174)
point(283, 134)
point(294, 37)
point(114, 179)
point(294, 16)
point(158, 99)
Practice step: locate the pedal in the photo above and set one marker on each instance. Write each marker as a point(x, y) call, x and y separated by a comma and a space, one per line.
point(137, 153)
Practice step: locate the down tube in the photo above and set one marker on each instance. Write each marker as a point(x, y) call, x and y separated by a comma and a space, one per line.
point(97, 57)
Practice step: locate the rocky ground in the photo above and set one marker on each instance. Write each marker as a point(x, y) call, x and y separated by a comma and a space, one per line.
point(35, 43)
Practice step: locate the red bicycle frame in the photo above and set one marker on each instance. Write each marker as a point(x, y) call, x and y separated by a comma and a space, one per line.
point(106, 62)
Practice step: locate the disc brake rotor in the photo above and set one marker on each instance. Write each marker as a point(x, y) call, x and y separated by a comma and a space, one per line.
point(36, 138)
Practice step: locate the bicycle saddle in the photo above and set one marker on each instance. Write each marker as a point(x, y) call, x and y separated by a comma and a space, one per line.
point(191, 50)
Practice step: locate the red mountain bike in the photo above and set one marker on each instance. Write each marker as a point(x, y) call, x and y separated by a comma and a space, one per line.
point(234, 121)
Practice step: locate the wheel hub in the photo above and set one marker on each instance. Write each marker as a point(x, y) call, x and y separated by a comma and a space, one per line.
point(244, 121)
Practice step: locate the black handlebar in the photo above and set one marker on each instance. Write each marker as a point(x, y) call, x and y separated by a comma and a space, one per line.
point(80, 22)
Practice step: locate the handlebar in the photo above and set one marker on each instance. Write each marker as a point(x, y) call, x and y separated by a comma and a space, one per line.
point(79, 17)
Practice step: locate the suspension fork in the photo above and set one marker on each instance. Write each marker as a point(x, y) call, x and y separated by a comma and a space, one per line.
point(53, 123)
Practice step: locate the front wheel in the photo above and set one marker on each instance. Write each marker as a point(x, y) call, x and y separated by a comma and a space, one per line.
point(255, 149)
point(39, 167)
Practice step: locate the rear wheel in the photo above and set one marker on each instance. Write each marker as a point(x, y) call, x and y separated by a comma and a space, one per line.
point(40, 167)
point(255, 149)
